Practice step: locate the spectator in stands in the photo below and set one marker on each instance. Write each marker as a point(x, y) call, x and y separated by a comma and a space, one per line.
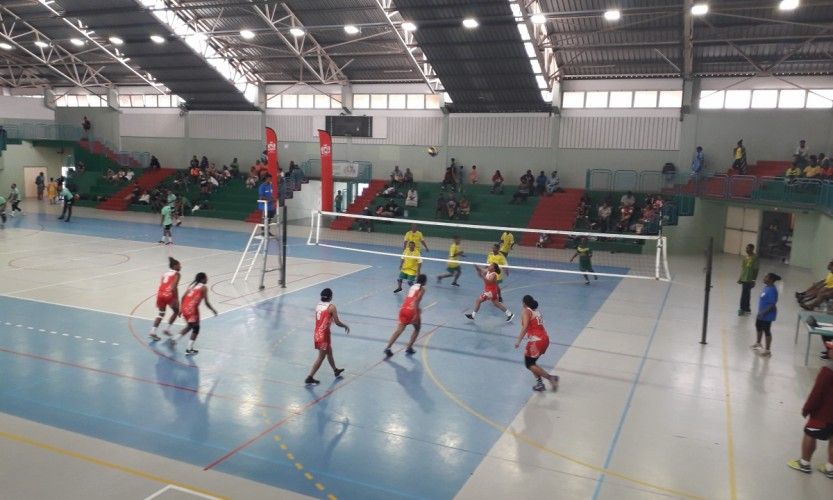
point(497, 183)
point(448, 180)
point(144, 198)
point(628, 199)
point(79, 167)
point(818, 292)
point(827, 172)
point(524, 189)
point(441, 205)
point(669, 173)
point(390, 192)
point(251, 180)
point(464, 207)
point(396, 176)
point(86, 125)
point(698, 162)
point(338, 201)
point(382, 211)
point(541, 183)
point(792, 174)
point(625, 214)
point(409, 177)
point(128, 175)
point(528, 178)
point(461, 175)
point(739, 155)
point(451, 206)
point(824, 161)
point(366, 224)
point(813, 169)
point(800, 156)
point(583, 209)
point(154, 162)
point(473, 175)
point(195, 163)
point(235, 167)
point(604, 212)
point(204, 163)
point(553, 183)
point(412, 198)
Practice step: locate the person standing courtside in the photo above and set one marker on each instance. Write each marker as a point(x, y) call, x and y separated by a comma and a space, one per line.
point(14, 199)
point(68, 198)
point(748, 276)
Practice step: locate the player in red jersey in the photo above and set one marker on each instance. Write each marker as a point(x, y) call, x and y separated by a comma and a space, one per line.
point(167, 296)
point(532, 327)
point(491, 291)
point(409, 314)
point(325, 314)
point(195, 294)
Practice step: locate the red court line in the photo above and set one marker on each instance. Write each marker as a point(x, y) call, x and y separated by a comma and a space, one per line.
point(140, 379)
point(306, 407)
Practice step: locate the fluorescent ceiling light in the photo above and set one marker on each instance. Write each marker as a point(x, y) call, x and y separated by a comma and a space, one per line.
point(700, 9)
point(77, 42)
point(613, 15)
point(148, 3)
point(788, 4)
point(297, 32)
point(538, 19)
point(157, 39)
point(116, 40)
point(247, 34)
point(41, 44)
point(5, 46)
point(351, 30)
point(470, 23)
point(409, 26)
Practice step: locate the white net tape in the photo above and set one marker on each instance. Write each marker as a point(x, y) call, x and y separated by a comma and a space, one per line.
point(614, 254)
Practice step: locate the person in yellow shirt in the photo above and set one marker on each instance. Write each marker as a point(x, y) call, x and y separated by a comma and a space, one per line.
point(817, 293)
point(498, 258)
point(415, 235)
point(52, 191)
point(812, 170)
point(409, 267)
point(739, 154)
point(453, 267)
point(507, 243)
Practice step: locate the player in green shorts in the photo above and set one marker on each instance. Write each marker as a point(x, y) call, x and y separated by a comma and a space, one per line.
point(167, 222)
point(584, 254)
point(410, 266)
point(453, 268)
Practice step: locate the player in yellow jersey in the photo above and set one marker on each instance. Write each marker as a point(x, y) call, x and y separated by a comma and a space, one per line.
point(496, 257)
point(415, 235)
point(507, 243)
point(453, 267)
point(410, 266)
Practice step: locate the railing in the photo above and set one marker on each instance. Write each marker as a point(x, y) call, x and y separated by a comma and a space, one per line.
point(798, 193)
point(38, 131)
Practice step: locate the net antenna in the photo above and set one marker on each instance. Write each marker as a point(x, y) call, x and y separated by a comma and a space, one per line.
point(257, 248)
point(621, 255)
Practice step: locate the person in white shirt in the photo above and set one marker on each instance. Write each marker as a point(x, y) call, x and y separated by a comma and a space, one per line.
point(800, 154)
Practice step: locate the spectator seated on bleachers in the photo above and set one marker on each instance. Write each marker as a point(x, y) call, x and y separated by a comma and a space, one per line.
point(625, 214)
point(813, 170)
point(497, 183)
point(391, 192)
point(204, 163)
point(128, 175)
point(543, 239)
point(604, 213)
point(144, 198)
point(451, 207)
point(409, 177)
point(473, 179)
point(440, 207)
point(464, 207)
point(449, 180)
point(412, 198)
point(583, 209)
point(251, 180)
point(523, 192)
point(541, 183)
point(800, 158)
point(553, 184)
point(792, 174)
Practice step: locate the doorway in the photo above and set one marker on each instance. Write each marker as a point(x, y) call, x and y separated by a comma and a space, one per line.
point(776, 235)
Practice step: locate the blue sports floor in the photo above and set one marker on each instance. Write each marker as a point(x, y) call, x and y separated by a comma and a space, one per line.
point(75, 309)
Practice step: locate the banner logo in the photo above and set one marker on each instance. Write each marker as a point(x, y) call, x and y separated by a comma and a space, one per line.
point(325, 150)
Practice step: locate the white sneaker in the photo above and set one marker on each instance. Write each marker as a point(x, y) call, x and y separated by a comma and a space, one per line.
point(765, 353)
point(756, 346)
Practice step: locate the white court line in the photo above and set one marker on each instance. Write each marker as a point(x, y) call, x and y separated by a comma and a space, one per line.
point(51, 254)
point(80, 259)
point(183, 490)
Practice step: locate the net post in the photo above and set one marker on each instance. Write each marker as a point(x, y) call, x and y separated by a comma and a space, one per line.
point(265, 236)
point(283, 246)
point(709, 258)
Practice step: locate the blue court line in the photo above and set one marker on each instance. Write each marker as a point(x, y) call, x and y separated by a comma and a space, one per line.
point(628, 402)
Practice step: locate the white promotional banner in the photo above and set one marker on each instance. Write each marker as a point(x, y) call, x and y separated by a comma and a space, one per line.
point(345, 169)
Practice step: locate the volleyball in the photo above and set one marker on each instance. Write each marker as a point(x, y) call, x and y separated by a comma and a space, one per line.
point(433, 151)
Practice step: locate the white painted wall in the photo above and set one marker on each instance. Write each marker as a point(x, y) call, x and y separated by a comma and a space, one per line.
point(18, 156)
point(24, 108)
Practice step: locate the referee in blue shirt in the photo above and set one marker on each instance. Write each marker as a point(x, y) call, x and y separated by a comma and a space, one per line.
point(264, 192)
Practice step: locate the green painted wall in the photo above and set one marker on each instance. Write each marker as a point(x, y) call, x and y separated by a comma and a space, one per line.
point(692, 234)
point(18, 156)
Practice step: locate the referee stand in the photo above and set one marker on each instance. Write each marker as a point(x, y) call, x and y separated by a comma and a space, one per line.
point(257, 248)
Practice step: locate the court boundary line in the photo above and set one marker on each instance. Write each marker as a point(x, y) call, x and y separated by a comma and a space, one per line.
point(183, 490)
point(535, 444)
point(727, 400)
point(104, 463)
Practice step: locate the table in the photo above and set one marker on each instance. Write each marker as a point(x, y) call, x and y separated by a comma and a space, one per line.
point(821, 318)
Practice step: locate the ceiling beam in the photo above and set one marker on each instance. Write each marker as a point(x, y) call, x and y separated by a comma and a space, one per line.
point(687, 43)
point(416, 57)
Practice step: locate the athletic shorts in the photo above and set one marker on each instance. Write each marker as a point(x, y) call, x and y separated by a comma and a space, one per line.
point(168, 227)
point(163, 302)
point(322, 342)
point(191, 317)
point(452, 269)
point(588, 267)
point(408, 316)
point(487, 296)
point(822, 434)
point(536, 348)
point(407, 277)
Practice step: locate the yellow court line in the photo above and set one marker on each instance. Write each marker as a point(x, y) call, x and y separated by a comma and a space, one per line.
point(532, 442)
point(104, 463)
point(730, 437)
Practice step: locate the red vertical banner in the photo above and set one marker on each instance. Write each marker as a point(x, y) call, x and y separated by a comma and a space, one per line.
point(272, 159)
point(326, 144)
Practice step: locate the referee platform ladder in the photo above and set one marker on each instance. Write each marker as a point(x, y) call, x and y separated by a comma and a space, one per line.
point(257, 250)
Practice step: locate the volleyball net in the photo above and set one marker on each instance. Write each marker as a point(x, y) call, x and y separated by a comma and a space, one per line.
point(535, 250)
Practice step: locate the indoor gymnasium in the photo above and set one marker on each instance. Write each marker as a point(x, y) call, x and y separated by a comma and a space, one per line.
point(382, 249)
